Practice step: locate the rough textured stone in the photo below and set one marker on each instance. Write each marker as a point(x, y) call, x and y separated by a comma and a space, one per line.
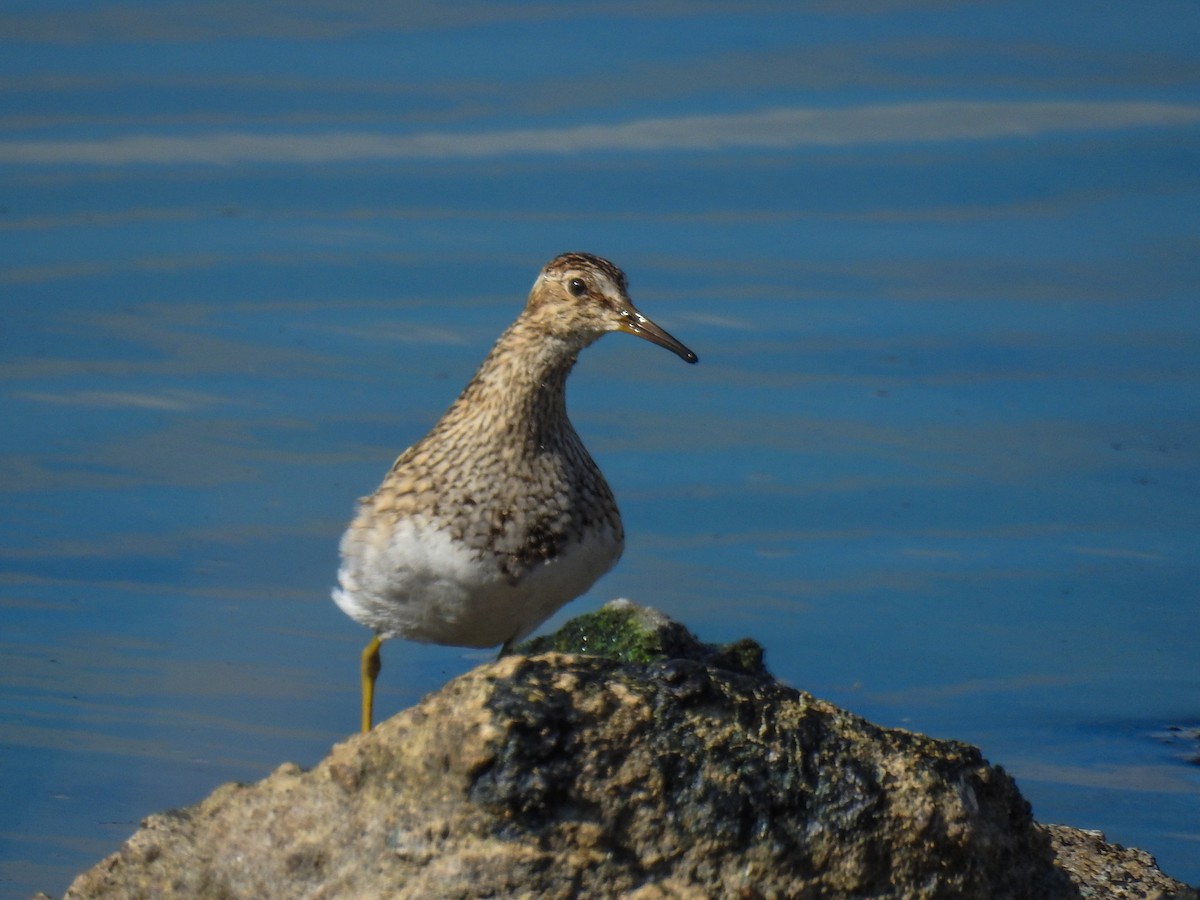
point(1111, 871)
point(560, 775)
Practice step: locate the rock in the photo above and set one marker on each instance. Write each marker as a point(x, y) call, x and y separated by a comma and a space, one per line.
point(1111, 871)
point(674, 770)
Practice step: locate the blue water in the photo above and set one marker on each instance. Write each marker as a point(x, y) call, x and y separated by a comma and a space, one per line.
point(940, 455)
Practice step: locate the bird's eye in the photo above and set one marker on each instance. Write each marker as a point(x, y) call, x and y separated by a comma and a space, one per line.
point(577, 286)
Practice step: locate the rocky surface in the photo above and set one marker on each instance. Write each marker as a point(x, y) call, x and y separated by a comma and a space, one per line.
point(1110, 871)
point(667, 769)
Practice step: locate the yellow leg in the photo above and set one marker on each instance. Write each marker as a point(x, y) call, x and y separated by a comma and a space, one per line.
point(370, 670)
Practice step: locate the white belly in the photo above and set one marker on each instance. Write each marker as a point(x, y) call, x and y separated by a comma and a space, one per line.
point(422, 585)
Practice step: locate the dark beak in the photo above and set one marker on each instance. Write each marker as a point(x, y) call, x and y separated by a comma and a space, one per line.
point(633, 322)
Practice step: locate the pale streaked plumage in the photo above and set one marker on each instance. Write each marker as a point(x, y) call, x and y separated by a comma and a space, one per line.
point(499, 515)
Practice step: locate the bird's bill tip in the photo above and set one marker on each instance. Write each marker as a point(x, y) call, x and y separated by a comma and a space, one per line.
point(639, 326)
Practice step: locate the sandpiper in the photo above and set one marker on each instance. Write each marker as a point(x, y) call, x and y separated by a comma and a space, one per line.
point(499, 516)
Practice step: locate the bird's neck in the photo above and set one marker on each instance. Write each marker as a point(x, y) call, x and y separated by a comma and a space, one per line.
point(522, 382)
